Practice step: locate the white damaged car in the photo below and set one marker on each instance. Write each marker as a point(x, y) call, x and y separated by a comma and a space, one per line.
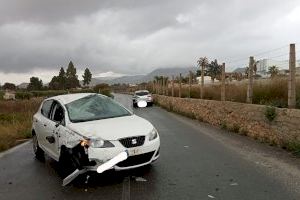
point(92, 132)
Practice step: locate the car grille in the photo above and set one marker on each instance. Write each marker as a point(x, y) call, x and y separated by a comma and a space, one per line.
point(132, 141)
point(136, 160)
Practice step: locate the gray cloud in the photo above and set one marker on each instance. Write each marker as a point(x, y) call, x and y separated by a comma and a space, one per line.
point(137, 36)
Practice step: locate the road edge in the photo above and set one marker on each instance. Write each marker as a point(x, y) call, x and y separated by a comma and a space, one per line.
point(13, 149)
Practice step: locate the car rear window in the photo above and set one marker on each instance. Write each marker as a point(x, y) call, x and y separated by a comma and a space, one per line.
point(141, 93)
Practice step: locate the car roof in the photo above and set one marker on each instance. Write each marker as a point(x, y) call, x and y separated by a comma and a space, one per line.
point(67, 98)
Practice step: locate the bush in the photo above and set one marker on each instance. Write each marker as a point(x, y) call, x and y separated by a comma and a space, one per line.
point(294, 147)
point(23, 95)
point(103, 89)
point(270, 113)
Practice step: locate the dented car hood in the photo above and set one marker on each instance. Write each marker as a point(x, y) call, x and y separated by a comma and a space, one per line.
point(113, 128)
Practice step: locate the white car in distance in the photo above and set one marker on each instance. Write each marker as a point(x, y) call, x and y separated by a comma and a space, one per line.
point(85, 131)
point(142, 95)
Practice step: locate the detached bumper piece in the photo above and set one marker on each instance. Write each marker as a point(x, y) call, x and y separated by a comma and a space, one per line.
point(101, 168)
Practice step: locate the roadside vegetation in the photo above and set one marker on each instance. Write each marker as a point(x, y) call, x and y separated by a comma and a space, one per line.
point(16, 121)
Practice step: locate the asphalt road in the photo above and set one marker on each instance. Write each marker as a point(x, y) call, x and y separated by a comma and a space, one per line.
point(197, 161)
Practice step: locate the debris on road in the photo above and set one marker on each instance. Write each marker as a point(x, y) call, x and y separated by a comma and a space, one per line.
point(234, 184)
point(211, 196)
point(186, 146)
point(140, 179)
point(87, 179)
point(72, 176)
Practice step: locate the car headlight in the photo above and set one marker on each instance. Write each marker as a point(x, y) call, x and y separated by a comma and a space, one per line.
point(96, 143)
point(153, 134)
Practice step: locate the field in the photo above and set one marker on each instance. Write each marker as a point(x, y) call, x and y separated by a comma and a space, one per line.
point(16, 121)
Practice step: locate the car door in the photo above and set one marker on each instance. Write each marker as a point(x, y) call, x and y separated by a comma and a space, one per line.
point(57, 119)
point(40, 122)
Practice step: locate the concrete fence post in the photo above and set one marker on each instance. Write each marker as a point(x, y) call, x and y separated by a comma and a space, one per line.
point(250, 81)
point(163, 85)
point(291, 81)
point(179, 86)
point(223, 89)
point(167, 87)
point(153, 86)
point(190, 83)
point(173, 86)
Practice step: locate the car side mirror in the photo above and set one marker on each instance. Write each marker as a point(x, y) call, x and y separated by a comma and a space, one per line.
point(50, 139)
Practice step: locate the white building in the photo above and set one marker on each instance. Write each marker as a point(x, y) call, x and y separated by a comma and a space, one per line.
point(9, 95)
point(264, 64)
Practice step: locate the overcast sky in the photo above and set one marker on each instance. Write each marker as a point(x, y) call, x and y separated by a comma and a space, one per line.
point(137, 36)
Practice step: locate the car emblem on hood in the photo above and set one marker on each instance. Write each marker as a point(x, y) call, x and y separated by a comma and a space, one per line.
point(133, 141)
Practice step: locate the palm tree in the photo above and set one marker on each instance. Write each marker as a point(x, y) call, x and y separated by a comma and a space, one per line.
point(273, 71)
point(202, 62)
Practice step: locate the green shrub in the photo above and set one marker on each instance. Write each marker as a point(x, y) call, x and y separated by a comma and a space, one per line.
point(224, 125)
point(294, 147)
point(104, 89)
point(270, 113)
point(23, 95)
point(1, 95)
point(235, 128)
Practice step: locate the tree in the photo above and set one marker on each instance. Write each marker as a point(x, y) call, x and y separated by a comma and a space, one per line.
point(54, 83)
point(35, 84)
point(274, 71)
point(87, 77)
point(214, 70)
point(71, 77)
point(62, 79)
point(9, 86)
point(202, 62)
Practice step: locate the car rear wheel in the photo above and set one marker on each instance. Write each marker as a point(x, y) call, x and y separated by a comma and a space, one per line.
point(39, 153)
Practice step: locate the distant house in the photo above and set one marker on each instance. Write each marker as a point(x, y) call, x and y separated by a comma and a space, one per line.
point(9, 95)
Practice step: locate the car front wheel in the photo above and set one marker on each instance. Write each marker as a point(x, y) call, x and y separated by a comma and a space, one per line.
point(39, 153)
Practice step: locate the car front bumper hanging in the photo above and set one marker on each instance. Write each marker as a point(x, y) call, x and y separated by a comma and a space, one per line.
point(100, 168)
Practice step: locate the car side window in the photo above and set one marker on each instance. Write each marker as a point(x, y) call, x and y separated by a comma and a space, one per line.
point(46, 108)
point(58, 114)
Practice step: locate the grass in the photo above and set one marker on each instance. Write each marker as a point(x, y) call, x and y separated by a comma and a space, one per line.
point(16, 121)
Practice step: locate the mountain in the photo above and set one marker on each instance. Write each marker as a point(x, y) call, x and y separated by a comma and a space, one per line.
point(23, 85)
point(240, 70)
point(169, 72)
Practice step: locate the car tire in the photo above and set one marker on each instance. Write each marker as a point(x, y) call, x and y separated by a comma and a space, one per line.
point(134, 105)
point(39, 153)
point(150, 104)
